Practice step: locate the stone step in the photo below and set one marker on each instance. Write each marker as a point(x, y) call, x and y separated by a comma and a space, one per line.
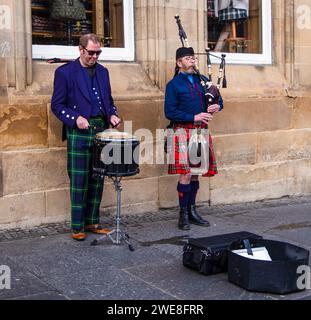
point(34, 208)
point(236, 184)
point(272, 180)
point(248, 183)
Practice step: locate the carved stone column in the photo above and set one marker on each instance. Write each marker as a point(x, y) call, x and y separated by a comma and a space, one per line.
point(6, 48)
point(15, 43)
point(300, 39)
point(289, 22)
point(28, 34)
point(157, 34)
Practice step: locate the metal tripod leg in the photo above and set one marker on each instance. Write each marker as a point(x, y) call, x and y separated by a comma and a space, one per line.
point(116, 235)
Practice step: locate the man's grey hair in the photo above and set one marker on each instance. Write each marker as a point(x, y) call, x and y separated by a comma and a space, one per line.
point(84, 39)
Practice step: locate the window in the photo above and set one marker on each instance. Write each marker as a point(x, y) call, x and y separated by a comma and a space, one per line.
point(241, 29)
point(58, 24)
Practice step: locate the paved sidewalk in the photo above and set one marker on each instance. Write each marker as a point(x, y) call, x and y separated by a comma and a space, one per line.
point(47, 264)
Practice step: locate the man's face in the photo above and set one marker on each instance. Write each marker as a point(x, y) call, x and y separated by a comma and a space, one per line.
point(90, 54)
point(186, 64)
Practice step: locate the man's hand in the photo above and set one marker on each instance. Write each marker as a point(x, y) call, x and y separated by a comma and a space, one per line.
point(213, 108)
point(82, 123)
point(115, 121)
point(203, 117)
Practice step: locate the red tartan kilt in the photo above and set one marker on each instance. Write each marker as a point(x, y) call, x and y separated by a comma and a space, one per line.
point(181, 162)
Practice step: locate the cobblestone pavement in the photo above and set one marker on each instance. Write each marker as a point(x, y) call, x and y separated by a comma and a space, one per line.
point(148, 217)
point(46, 264)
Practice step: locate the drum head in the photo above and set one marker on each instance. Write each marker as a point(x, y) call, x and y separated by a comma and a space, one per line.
point(114, 135)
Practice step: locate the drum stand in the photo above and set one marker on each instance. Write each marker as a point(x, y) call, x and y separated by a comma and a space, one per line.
point(119, 234)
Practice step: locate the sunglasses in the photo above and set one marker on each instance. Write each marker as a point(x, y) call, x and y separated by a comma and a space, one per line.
point(188, 58)
point(92, 52)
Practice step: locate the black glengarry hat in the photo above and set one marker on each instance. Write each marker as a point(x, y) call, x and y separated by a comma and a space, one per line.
point(183, 52)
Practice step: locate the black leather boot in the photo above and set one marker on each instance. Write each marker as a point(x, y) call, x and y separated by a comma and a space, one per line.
point(183, 222)
point(195, 218)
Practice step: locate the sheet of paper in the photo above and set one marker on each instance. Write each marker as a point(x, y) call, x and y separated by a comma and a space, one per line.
point(258, 254)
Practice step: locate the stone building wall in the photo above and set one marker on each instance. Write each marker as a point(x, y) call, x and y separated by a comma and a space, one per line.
point(262, 138)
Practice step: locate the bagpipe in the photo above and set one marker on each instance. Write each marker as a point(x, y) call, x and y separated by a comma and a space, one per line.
point(211, 91)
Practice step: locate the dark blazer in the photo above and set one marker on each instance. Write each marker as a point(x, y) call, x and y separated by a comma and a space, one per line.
point(71, 95)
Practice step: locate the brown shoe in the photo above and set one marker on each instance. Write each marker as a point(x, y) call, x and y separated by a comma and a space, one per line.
point(96, 228)
point(79, 236)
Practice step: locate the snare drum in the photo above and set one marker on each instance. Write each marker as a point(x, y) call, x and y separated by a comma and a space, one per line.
point(115, 154)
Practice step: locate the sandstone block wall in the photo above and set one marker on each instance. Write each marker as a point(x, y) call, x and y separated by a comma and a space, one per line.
point(261, 138)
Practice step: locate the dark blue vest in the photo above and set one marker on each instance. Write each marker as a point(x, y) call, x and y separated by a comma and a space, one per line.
point(97, 103)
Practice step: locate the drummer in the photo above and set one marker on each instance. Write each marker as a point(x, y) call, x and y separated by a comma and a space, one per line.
point(82, 101)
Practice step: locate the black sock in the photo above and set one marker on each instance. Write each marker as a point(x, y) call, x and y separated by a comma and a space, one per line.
point(195, 186)
point(183, 193)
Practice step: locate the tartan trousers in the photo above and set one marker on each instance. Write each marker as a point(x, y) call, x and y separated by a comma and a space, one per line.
point(85, 192)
